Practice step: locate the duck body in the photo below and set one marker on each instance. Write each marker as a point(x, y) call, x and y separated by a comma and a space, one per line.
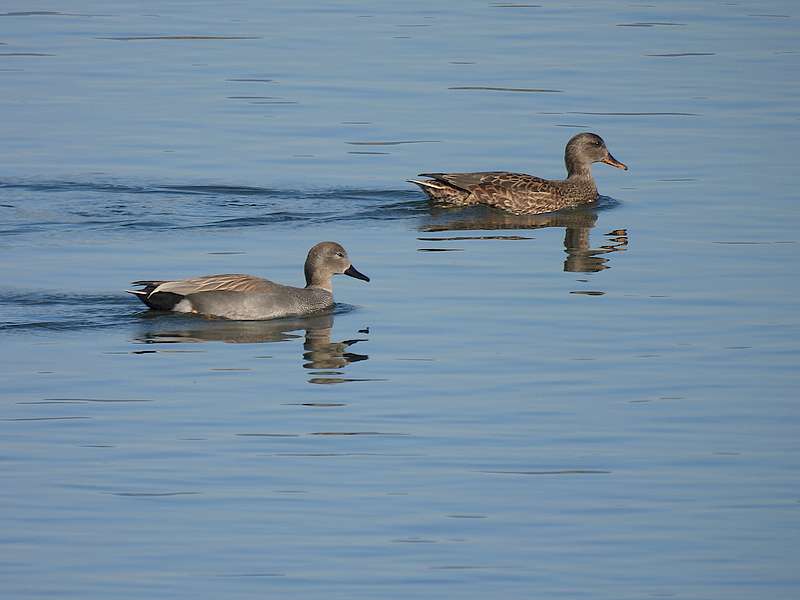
point(233, 296)
point(520, 193)
point(248, 298)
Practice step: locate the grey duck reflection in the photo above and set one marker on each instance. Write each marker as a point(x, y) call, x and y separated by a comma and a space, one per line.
point(577, 222)
point(319, 352)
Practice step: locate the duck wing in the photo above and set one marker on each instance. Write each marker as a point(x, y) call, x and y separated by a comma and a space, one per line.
point(519, 183)
point(462, 181)
point(515, 192)
point(229, 282)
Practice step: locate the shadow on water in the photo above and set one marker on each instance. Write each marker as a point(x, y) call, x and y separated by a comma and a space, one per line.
point(319, 351)
point(577, 224)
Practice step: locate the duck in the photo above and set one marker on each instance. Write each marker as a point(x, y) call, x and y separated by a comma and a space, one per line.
point(248, 298)
point(521, 194)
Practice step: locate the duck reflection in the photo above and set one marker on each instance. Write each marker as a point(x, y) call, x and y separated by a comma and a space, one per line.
point(319, 352)
point(578, 222)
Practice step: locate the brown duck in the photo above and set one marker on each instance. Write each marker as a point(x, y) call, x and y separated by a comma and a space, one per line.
point(519, 193)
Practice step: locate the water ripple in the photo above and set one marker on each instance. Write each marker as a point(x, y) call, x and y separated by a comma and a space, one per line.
point(506, 89)
point(32, 311)
point(33, 207)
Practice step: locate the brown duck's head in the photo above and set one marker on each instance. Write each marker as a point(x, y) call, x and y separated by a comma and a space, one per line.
point(587, 148)
point(327, 259)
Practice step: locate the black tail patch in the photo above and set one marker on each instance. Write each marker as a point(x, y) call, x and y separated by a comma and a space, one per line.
point(163, 300)
point(159, 301)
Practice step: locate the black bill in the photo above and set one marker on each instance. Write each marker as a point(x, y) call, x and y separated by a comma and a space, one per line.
point(353, 272)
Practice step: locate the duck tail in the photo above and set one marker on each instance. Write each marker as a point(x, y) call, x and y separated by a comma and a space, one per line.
point(435, 190)
point(157, 301)
point(443, 192)
point(147, 286)
point(429, 183)
point(140, 294)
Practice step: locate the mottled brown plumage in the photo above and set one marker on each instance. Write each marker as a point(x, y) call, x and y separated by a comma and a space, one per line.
point(519, 193)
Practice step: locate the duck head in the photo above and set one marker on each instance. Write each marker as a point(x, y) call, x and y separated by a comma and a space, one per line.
point(587, 148)
point(325, 260)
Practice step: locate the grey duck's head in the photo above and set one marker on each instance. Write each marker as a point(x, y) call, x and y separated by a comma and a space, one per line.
point(327, 259)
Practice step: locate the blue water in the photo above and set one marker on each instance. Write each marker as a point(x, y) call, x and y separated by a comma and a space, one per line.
point(596, 404)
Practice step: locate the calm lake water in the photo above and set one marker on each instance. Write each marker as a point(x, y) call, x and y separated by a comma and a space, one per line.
point(598, 404)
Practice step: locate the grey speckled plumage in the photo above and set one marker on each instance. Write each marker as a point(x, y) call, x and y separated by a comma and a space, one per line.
point(248, 298)
point(519, 193)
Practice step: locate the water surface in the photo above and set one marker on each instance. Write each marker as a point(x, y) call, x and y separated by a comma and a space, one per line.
point(600, 403)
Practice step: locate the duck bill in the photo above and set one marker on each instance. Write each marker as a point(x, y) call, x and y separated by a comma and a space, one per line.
point(353, 272)
point(610, 160)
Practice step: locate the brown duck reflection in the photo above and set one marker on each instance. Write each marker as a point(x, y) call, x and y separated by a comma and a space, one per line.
point(319, 352)
point(581, 257)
